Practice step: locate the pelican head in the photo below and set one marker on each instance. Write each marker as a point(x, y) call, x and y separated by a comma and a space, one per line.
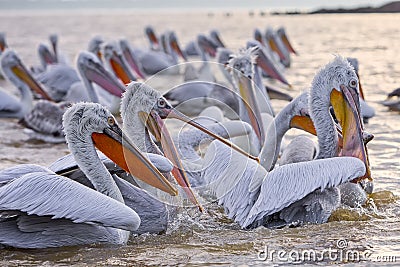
point(282, 34)
point(54, 40)
point(88, 124)
point(266, 63)
point(354, 62)
point(258, 36)
point(223, 56)
point(149, 32)
point(3, 43)
point(117, 63)
point(45, 56)
point(94, 45)
point(214, 35)
point(129, 56)
point(206, 45)
point(173, 41)
point(337, 85)
point(241, 67)
point(16, 72)
point(91, 69)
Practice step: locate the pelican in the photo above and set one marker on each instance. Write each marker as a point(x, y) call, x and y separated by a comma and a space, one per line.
point(277, 45)
point(143, 109)
point(191, 48)
point(191, 98)
point(130, 57)
point(293, 115)
point(258, 36)
point(252, 196)
point(285, 40)
point(94, 46)
point(116, 63)
point(41, 209)
point(200, 89)
point(3, 43)
point(153, 213)
point(390, 103)
point(205, 47)
point(16, 73)
point(44, 121)
point(215, 37)
point(47, 57)
point(3, 46)
point(153, 62)
point(242, 70)
point(367, 111)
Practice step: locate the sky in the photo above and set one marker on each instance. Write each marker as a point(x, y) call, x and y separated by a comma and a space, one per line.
point(278, 5)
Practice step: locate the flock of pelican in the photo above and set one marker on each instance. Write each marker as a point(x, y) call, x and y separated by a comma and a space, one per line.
point(117, 179)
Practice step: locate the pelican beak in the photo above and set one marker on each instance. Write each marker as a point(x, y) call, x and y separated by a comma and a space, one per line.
point(48, 57)
point(3, 46)
point(208, 46)
point(96, 73)
point(246, 92)
point(173, 113)
point(99, 55)
point(156, 126)
point(133, 63)
point(115, 145)
point(218, 39)
point(346, 107)
point(275, 48)
point(153, 38)
point(121, 69)
point(304, 123)
point(259, 38)
point(268, 66)
point(288, 45)
point(21, 72)
point(177, 48)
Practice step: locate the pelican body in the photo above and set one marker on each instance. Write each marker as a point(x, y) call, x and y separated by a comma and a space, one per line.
point(42, 209)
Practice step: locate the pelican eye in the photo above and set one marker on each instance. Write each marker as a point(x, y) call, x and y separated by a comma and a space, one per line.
point(161, 103)
point(111, 121)
point(353, 83)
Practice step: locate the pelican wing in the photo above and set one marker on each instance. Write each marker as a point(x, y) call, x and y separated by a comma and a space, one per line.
point(152, 212)
point(32, 231)
point(46, 118)
point(46, 194)
point(19, 170)
point(290, 183)
point(232, 177)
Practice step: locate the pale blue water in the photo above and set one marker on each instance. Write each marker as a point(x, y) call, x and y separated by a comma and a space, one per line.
point(210, 239)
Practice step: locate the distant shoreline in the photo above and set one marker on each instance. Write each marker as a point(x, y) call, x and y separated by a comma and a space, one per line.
point(392, 7)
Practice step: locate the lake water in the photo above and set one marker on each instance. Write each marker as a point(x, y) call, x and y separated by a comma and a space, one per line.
point(210, 238)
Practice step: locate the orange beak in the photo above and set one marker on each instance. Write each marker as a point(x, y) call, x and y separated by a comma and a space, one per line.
point(127, 156)
point(156, 126)
point(346, 106)
point(21, 72)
